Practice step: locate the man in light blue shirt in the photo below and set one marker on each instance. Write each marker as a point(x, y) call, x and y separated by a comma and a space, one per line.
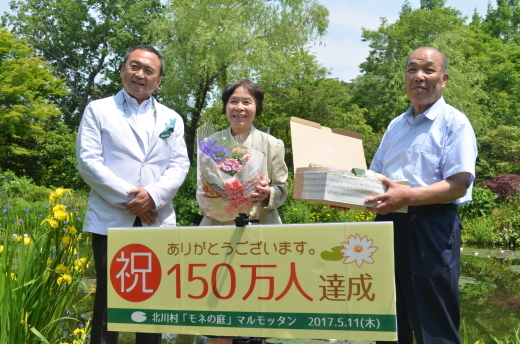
point(433, 146)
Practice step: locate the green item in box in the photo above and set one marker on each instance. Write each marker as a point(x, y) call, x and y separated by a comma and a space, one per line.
point(359, 172)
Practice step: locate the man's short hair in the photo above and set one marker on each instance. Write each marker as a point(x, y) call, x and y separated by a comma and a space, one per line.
point(444, 69)
point(256, 91)
point(147, 48)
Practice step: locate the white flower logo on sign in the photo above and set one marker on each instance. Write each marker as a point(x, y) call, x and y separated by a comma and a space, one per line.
point(358, 250)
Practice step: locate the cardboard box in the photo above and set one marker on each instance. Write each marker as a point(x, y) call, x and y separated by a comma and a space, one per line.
point(335, 150)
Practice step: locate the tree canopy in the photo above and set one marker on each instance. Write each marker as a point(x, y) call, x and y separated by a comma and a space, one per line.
point(483, 67)
point(83, 41)
point(210, 43)
point(27, 111)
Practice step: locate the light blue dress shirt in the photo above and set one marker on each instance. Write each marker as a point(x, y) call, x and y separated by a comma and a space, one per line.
point(437, 144)
point(144, 117)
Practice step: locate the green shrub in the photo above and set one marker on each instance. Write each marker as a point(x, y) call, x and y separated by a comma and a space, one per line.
point(505, 220)
point(298, 211)
point(482, 204)
point(295, 211)
point(12, 186)
point(185, 204)
point(478, 231)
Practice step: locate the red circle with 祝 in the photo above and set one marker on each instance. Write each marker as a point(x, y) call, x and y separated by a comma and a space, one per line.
point(135, 272)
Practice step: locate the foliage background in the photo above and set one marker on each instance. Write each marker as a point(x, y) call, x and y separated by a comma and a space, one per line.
point(57, 55)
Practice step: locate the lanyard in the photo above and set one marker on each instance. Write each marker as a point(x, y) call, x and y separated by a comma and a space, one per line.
point(169, 126)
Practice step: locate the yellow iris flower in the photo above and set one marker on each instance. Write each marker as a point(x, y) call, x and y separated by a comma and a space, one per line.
point(72, 230)
point(65, 278)
point(53, 223)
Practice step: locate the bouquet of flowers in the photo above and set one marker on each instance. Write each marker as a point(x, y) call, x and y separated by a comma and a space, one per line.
point(228, 169)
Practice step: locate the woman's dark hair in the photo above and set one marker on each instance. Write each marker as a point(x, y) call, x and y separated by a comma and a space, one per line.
point(256, 91)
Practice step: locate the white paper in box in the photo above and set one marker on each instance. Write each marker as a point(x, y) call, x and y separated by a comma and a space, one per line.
point(340, 188)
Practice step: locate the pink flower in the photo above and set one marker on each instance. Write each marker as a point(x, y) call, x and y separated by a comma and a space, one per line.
point(237, 167)
point(226, 168)
point(231, 161)
point(220, 164)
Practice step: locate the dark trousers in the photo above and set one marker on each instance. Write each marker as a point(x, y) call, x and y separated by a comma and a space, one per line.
point(427, 268)
point(99, 333)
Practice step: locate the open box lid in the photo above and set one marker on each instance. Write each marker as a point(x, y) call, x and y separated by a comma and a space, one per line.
point(336, 148)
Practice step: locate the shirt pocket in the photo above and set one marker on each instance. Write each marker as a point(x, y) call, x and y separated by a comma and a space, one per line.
point(426, 160)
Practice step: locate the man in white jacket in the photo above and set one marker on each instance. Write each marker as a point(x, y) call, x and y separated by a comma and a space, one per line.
point(131, 152)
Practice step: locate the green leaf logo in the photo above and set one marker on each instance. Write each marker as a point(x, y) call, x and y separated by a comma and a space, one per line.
point(333, 255)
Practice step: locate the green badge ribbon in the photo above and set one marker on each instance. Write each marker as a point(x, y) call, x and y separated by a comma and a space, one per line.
point(169, 128)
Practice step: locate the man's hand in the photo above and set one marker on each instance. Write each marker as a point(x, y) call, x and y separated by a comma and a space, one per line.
point(148, 217)
point(394, 198)
point(263, 191)
point(142, 205)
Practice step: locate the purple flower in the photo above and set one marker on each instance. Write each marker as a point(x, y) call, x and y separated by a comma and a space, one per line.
point(5, 218)
point(40, 215)
point(20, 220)
point(25, 210)
point(4, 210)
point(78, 218)
point(213, 149)
point(65, 222)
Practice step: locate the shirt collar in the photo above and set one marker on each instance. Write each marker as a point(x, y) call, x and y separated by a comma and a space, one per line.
point(132, 102)
point(431, 113)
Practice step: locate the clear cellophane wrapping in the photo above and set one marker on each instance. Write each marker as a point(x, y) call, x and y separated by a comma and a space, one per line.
point(228, 170)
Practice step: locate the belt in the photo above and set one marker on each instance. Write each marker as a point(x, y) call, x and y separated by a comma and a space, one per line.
point(431, 208)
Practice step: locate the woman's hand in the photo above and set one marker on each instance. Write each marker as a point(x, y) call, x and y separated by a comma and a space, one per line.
point(263, 191)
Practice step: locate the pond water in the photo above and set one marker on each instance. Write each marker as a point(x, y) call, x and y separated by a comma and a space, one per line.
point(489, 291)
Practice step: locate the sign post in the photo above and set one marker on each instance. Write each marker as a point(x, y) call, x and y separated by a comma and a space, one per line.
point(287, 281)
